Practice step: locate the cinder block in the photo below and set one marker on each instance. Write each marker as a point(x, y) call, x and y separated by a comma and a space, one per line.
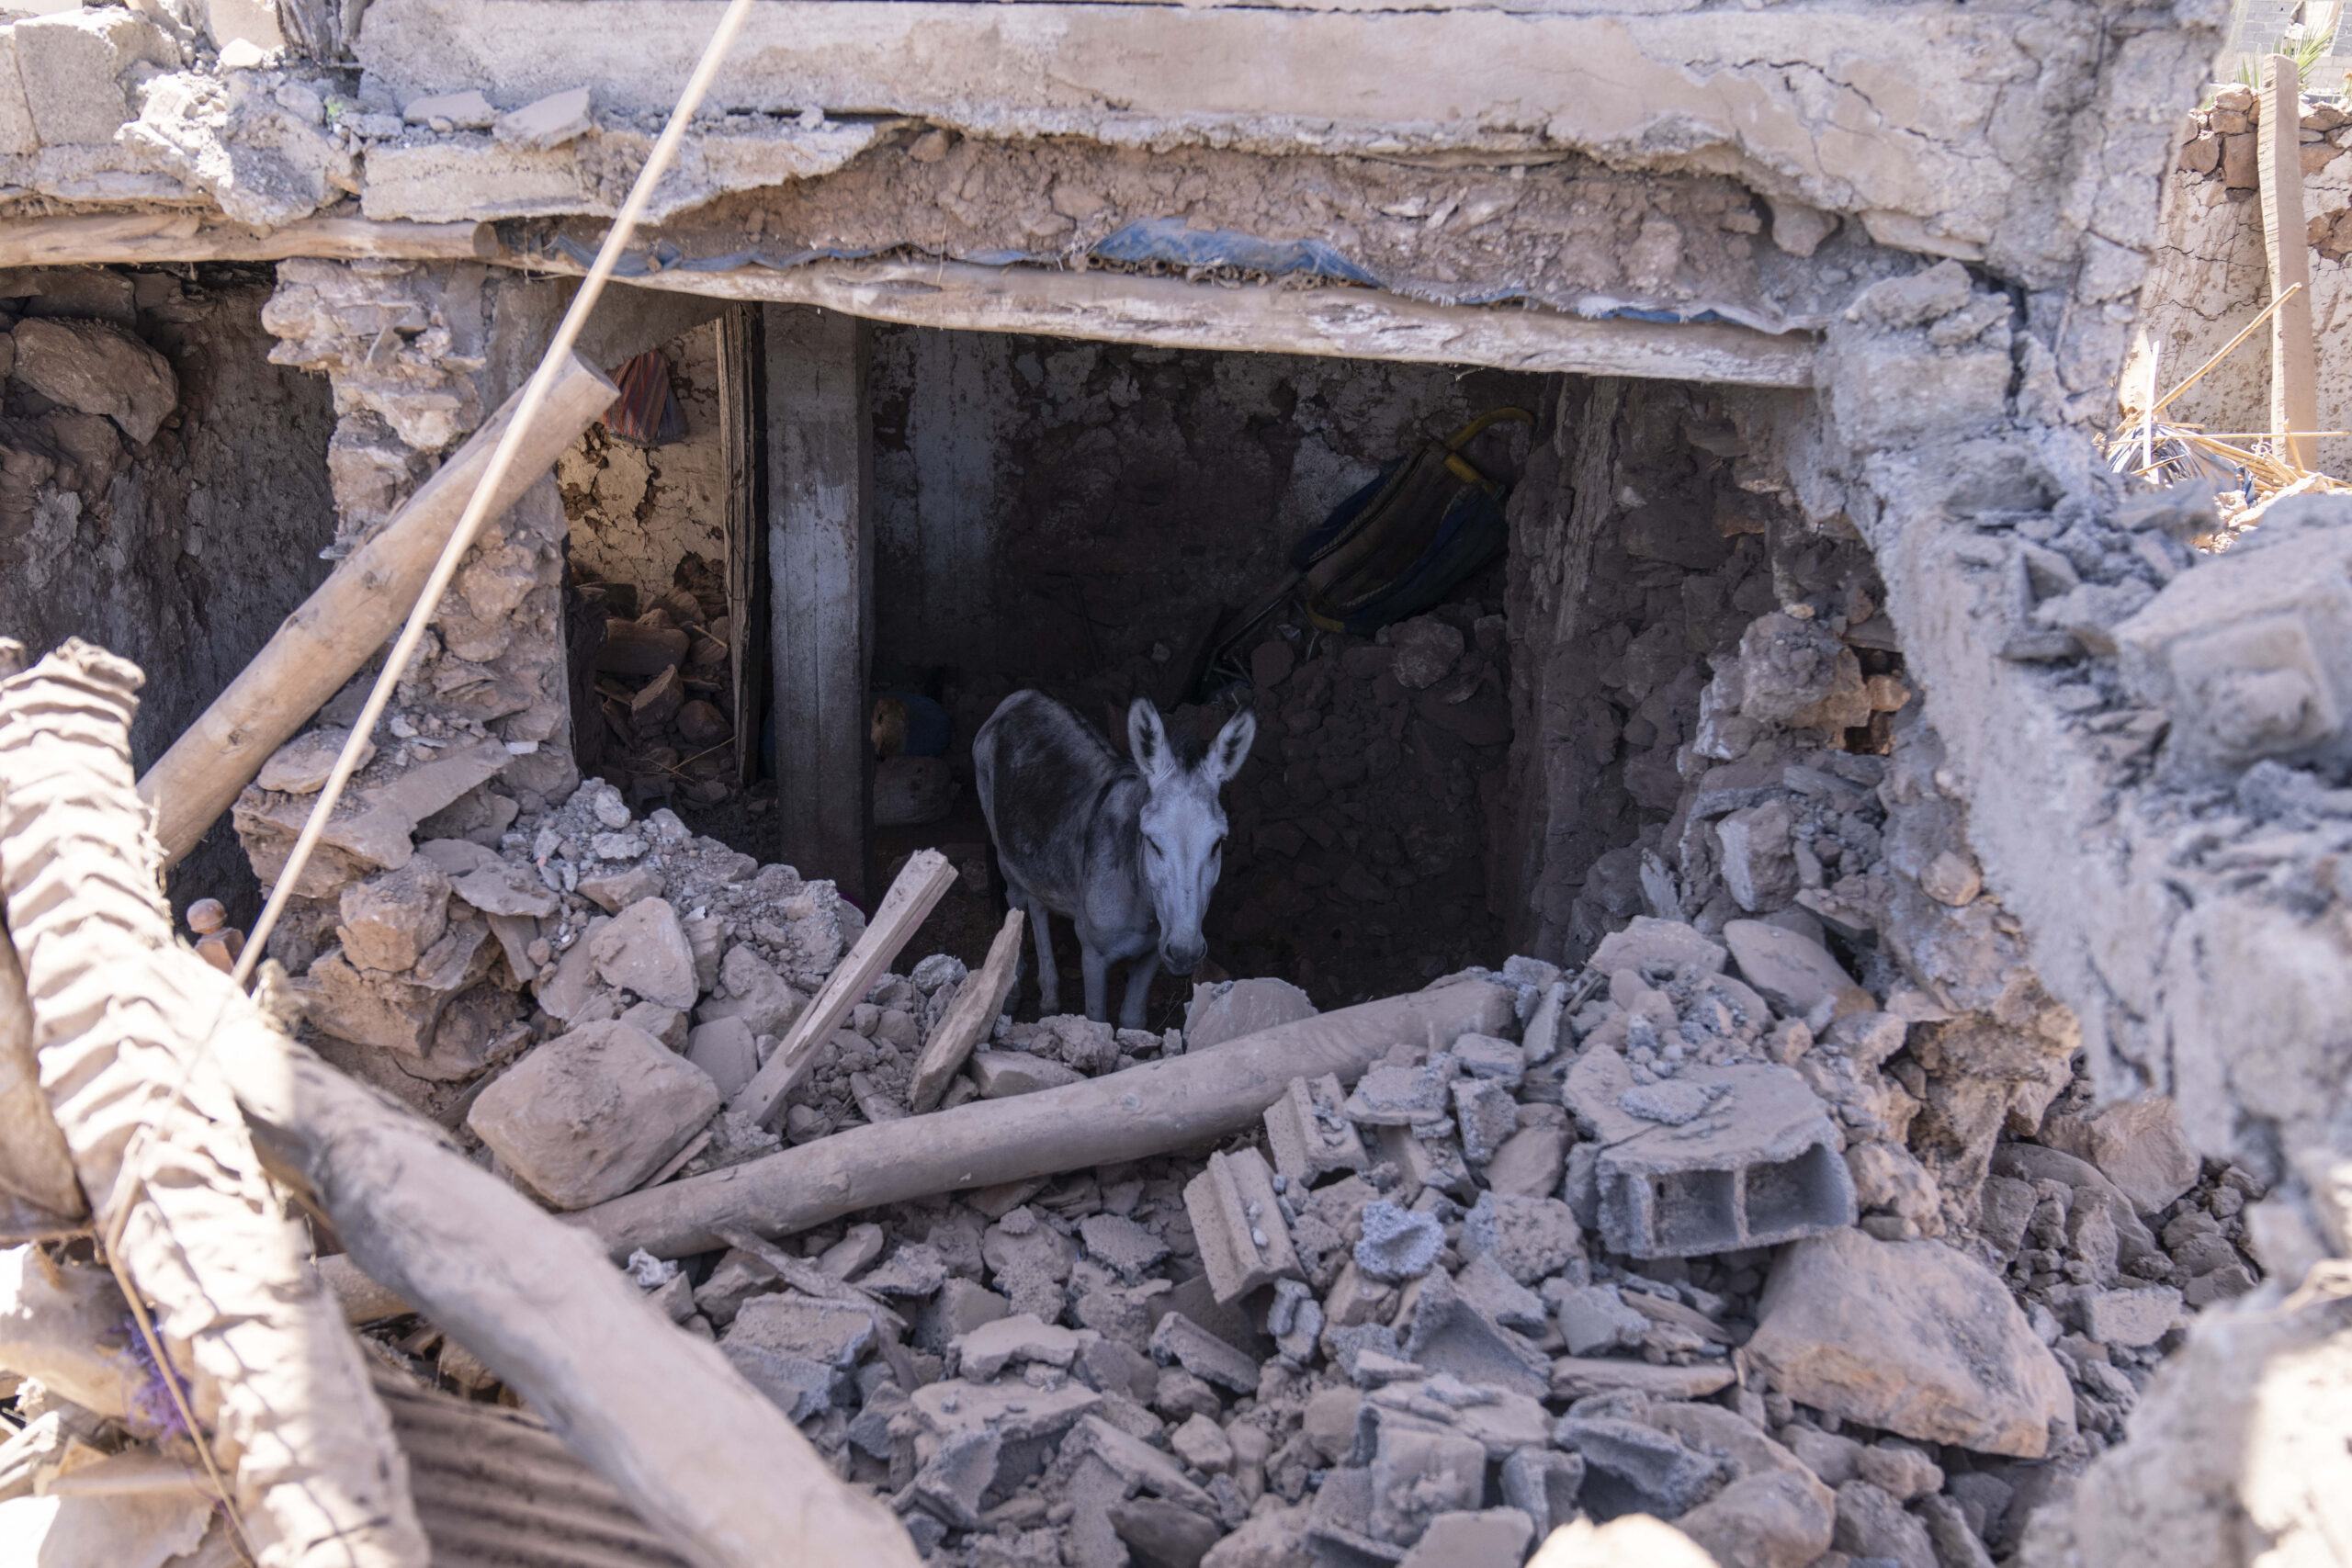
point(1758, 1165)
point(1309, 1133)
point(1239, 1223)
point(2250, 654)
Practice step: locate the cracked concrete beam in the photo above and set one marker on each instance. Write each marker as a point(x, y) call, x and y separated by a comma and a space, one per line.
point(1888, 124)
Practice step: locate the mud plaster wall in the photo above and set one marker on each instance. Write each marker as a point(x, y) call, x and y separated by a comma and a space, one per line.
point(636, 511)
point(185, 553)
point(1636, 561)
point(1048, 509)
point(2210, 278)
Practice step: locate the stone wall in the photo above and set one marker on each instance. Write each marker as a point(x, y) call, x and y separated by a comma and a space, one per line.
point(2211, 276)
point(163, 489)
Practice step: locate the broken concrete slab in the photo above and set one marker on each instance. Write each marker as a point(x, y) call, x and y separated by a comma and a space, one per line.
point(1772, 1519)
point(1238, 1221)
point(1231, 1009)
point(1418, 1473)
point(1542, 1484)
point(1179, 1341)
point(501, 888)
point(1531, 1161)
point(1309, 1134)
point(1755, 1162)
point(987, 1350)
point(303, 764)
point(1015, 1411)
point(1911, 1337)
point(1794, 972)
point(645, 950)
point(1595, 1317)
point(1486, 1115)
point(1493, 1538)
point(1000, 1075)
point(593, 1113)
point(1575, 1377)
point(1657, 949)
point(546, 122)
point(1450, 1335)
point(1402, 1097)
point(1630, 1468)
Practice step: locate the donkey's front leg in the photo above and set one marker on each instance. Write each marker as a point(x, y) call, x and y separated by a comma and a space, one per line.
point(1139, 975)
point(1097, 969)
point(1049, 975)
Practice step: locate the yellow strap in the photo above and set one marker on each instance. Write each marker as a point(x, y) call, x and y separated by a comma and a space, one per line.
point(1462, 468)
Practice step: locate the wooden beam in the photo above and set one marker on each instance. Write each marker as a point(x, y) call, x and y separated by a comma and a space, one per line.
point(742, 445)
point(2294, 358)
point(968, 1017)
point(1342, 322)
point(134, 237)
point(926, 877)
point(820, 566)
point(350, 616)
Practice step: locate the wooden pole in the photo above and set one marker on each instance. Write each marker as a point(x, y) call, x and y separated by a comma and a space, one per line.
point(342, 625)
point(1155, 1109)
point(2294, 359)
point(968, 1017)
point(130, 238)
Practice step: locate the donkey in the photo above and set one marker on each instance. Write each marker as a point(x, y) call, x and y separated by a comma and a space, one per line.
point(1128, 851)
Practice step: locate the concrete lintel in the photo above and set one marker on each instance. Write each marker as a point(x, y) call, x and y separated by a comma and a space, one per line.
point(1354, 324)
point(1858, 108)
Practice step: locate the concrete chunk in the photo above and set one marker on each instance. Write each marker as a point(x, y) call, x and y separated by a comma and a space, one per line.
point(725, 1050)
point(1231, 1009)
point(1179, 1341)
point(1398, 1244)
point(591, 1114)
point(1911, 1337)
point(1633, 1469)
point(1309, 1133)
point(392, 919)
point(1531, 1238)
point(1656, 949)
point(1758, 1163)
point(1794, 973)
point(1238, 1223)
point(1002, 1073)
point(1543, 1485)
point(1417, 1474)
point(1486, 1115)
point(466, 111)
point(990, 1347)
point(1399, 1096)
point(748, 988)
point(71, 65)
point(550, 123)
point(1574, 1377)
point(2131, 1319)
point(96, 368)
point(1450, 1335)
point(1492, 1538)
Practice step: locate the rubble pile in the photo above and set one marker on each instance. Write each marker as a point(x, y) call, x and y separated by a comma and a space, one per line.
point(1789, 1221)
point(664, 689)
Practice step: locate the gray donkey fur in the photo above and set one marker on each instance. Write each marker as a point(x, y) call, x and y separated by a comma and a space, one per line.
point(1127, 851)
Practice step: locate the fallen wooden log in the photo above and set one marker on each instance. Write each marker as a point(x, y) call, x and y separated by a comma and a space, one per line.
point(350, 616)
point(919, 887)
point(968, 1017)
point(121, 1015)
point(698, 1451)
point(1154, 1109)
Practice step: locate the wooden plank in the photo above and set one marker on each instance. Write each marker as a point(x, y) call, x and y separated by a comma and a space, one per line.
point(1347, 322)
point(133, 237)
point(820, 570)
point(2294, 358)
point(741, 368)
point(920, 887)
point(968, 1017)
point(351, 615)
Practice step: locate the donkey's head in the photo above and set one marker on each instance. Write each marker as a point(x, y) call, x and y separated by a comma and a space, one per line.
point(1184, 826)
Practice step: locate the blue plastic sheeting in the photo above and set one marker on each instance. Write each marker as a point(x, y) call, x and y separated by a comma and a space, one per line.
point(1162, 239)
point(1169, 240)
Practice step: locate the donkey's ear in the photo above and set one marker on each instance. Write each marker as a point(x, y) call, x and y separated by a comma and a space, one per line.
point(1232, 746)
point(1147, 739)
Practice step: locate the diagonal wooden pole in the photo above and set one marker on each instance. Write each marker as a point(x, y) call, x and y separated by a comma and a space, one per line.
point(526, 414)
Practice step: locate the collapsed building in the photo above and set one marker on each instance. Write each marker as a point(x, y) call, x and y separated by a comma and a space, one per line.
point(1801, 999)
